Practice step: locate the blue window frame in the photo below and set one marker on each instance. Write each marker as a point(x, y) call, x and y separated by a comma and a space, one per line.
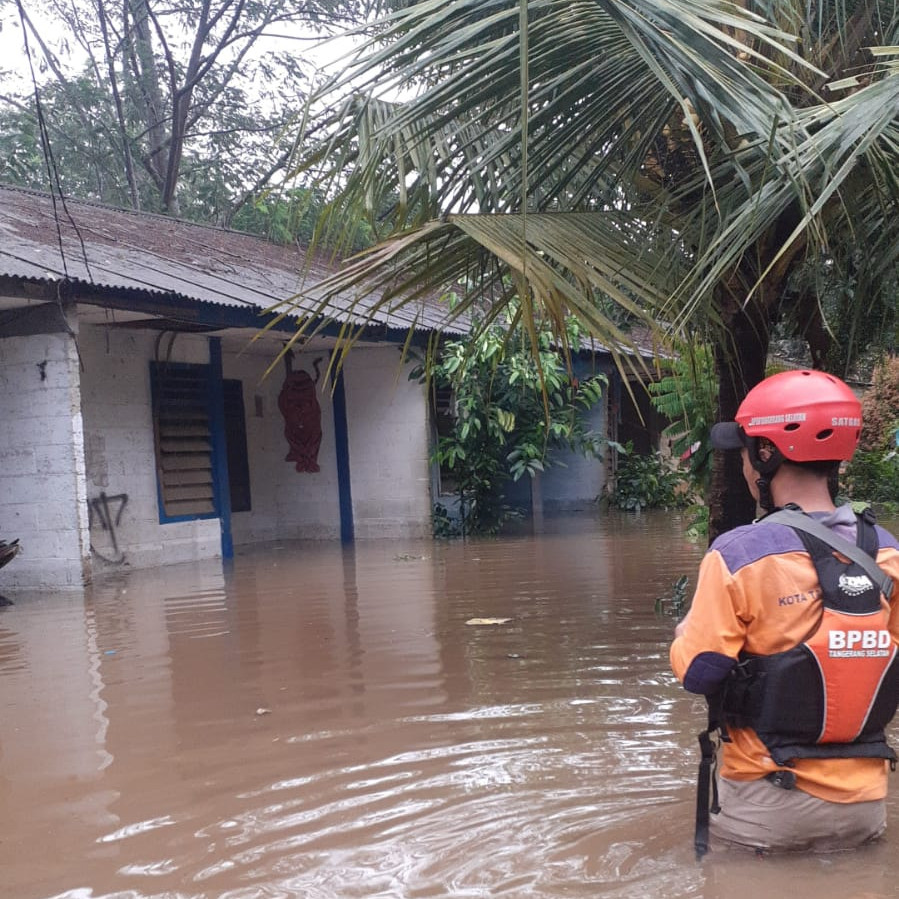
point(184, 437)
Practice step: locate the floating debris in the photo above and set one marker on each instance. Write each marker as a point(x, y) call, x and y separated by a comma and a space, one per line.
point(674, 604)
point(478, 621)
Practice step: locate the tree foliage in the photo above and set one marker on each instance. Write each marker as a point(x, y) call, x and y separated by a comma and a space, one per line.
point(513, 410)
point(180, 108)
point(687, 395)
point(702, 164)
point(293, 215)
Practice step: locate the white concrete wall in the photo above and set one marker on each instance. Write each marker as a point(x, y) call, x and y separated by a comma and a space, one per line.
point(120, 455)
point(388, 450)
point(388, 440)
point(286, 504)
point(388, 437)
point(83, 440)
point(42, 501)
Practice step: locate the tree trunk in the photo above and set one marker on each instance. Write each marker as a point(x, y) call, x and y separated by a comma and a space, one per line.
point(740, 365)
point(121, 118)
point(148, 96)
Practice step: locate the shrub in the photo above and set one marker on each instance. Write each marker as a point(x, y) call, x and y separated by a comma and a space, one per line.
point(873, 478)
point(880, 408)
point(510, 410)
point(647, 482)
point(873, 474)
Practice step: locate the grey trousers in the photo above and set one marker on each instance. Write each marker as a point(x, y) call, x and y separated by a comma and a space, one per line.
point(758, 815)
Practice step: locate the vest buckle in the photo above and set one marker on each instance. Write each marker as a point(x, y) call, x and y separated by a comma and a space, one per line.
point(786, 780)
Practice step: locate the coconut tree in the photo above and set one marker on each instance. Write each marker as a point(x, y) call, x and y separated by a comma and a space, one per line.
point(681, 163)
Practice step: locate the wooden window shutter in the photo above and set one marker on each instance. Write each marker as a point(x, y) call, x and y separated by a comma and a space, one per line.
point(184, 456)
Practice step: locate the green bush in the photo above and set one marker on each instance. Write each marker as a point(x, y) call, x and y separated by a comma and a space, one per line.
point(873, 478)
point(510, 411)
point(647, 482)
point(873, 474)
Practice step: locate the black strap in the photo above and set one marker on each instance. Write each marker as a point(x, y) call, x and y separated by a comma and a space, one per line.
point(707, 785)
point(878, 749)
point(802, 522)
point(706, 793)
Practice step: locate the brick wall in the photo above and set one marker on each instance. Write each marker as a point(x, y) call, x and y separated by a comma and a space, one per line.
point(42, 500)
point(120, 456)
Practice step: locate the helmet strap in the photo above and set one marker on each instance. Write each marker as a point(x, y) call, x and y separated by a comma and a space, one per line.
point(765, 467)
point(773, 456)
point(766, 501)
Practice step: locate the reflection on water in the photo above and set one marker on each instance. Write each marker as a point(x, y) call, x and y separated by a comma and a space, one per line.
point(314, 721)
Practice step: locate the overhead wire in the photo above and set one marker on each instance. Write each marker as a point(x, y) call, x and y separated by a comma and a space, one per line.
point(56, 192)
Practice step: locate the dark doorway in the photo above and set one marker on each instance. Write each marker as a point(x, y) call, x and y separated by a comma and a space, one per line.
point(236, 446)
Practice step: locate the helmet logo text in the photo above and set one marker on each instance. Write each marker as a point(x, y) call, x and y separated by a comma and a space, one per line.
point(776, 419)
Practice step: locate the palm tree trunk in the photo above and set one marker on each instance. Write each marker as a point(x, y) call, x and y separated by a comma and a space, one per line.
point(740, 364)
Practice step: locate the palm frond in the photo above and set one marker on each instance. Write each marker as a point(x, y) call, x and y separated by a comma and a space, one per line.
point(673, 145)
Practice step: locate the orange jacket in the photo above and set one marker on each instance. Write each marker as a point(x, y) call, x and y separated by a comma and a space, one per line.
point(758, 592)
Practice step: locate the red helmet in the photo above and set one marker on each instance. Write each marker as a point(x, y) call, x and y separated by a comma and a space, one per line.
point(808, 415)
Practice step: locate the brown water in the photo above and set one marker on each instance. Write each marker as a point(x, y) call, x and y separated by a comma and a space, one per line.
point(322, 722)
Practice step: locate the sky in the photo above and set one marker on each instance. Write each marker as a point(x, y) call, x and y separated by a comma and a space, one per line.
point(15, 73)
point(13, 61)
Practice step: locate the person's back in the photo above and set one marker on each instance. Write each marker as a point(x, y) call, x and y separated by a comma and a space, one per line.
point(758, 597)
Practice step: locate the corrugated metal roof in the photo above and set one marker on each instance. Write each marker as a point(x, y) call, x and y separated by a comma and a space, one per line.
point(118, 249)
point(47, 239)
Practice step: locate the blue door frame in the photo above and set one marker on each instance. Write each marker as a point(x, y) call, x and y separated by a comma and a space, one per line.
point(342, 443)
point(220, 480)
point(221, 485)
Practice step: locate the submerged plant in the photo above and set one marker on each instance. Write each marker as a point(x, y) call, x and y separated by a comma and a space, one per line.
point(675, 604)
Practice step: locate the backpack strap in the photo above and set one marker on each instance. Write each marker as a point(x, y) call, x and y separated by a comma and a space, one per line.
point(802, 522)
point(867, 534)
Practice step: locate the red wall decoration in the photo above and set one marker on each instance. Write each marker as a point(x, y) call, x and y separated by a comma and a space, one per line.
point(302, 416)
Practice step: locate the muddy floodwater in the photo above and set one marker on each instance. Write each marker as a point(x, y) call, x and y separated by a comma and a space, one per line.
point(324, 722)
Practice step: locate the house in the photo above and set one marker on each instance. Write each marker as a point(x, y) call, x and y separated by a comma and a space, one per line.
point(140, 425)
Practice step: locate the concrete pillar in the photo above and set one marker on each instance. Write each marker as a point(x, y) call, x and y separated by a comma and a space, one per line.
point(43, 499)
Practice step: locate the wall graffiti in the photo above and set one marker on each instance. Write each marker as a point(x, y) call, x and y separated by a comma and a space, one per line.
point(106, 512)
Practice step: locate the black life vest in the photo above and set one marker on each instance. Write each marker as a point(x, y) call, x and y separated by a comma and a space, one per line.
point(832, 695)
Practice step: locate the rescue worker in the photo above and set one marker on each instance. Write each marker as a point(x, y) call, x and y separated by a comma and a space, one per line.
point(794, 647)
